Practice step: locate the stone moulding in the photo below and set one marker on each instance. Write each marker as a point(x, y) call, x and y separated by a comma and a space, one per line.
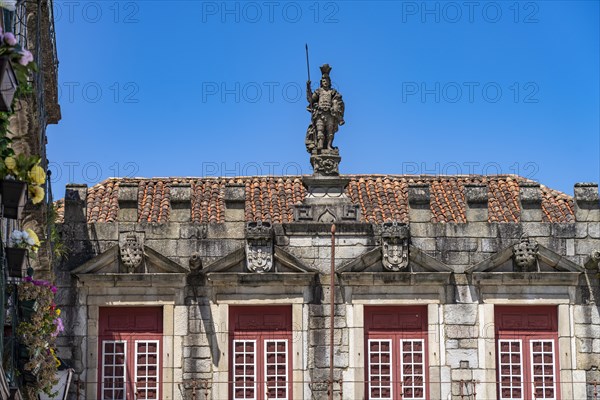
point(385, 278)
point(251, 279)
point(167, 280)
point(526, 278)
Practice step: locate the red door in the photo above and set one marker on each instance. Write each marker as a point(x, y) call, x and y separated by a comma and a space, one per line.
point(527, 352)
point(396, 353)
point(130, 344)
point(260, 352)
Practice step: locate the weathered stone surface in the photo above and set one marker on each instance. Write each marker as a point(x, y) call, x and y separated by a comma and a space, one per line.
point(455, 356)
point(424, 244)
point(456, 244)
point(586, 246)
point(462, 331)
point(587, 331)
point(586, 314)
point(460, 314)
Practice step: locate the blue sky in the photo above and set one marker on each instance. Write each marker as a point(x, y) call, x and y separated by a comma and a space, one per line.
point(191, 88)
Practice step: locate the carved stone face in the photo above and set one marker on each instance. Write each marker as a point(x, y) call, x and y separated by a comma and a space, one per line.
point(325, 82)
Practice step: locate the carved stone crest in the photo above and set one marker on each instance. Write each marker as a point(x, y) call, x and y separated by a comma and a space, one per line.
point(394, 246)
point(259, 246)
point(132, 251)
point(525, 255)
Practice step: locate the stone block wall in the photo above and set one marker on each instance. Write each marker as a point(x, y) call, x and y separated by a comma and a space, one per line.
point(461, 320)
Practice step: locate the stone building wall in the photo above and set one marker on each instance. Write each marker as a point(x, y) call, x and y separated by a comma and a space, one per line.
point(449, 262)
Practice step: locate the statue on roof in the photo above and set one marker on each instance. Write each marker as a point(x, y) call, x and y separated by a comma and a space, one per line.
point(327, 113)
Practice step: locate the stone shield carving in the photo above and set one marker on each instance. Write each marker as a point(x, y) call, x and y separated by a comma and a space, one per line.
point(394, 246)
point(525, 255)
point(259, 258)
point(259, 246)
point(132, 252)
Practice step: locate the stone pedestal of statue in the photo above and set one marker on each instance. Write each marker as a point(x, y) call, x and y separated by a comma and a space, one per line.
point(326, 163)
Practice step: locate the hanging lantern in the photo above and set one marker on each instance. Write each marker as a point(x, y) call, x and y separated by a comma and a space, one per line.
point(8, 84)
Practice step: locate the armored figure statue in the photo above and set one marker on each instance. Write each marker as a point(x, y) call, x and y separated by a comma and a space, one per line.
point(327, 113)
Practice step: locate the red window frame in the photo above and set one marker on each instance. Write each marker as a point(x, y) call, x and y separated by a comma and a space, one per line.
point(527, 352)
point(130, 353)
point(260, 352)
point(396, 347)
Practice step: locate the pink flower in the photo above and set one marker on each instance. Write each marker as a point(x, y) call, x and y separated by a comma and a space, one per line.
point(10, 39)
point(26, 57)
point(59, 326)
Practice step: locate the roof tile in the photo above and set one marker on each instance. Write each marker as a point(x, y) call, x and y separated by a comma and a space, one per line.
point(381, 198)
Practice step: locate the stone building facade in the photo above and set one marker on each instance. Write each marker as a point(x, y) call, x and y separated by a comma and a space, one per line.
point(454, 287)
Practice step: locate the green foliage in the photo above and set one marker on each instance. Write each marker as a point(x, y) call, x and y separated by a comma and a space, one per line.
point(19, 166)
point(58, 246)
point(38, 334)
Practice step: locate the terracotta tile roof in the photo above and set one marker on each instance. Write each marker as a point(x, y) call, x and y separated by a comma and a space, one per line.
point(381, 198)
point(102, 202)
point(154, 200)
point(207, 206)
point(557, 206)
point(503, 200)
point(272, 199)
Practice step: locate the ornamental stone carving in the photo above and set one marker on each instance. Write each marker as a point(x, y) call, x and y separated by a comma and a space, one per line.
point(259, 246)
point(525, 255)
point(394, 246)
point(326, 164)
point(131, 249)
point(326, 107)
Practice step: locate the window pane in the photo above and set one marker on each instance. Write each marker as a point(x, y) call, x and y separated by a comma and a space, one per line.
point(113, 370)
point(510, 367)
point(412, 376)
point(276, 369)
point(380, 368)
point(542, 369)
point(146, 369)
point(244, 377)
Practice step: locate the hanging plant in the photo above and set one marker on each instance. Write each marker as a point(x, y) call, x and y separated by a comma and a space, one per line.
point(17, 63)
point(37, 332)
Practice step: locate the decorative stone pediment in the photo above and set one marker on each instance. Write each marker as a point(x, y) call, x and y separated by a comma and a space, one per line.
point(110, 262)
point(421, 268)
point(233, 268)
point(526, 254)
point(526, 263)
